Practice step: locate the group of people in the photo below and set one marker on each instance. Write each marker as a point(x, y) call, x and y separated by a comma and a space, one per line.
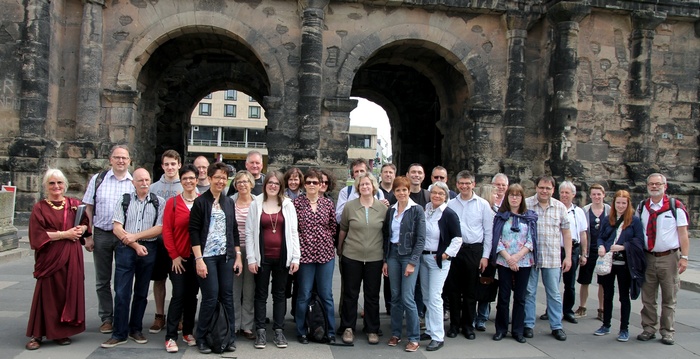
point(238, 244)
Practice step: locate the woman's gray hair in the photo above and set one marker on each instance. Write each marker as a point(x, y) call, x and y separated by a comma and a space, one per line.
point(55, 172)
point(442, 186)
point(375, 184)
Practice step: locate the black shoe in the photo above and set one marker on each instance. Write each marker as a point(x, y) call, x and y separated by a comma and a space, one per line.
point(230, 348)
point(559, 334)
point(528, 333)
point(303, 339)
point(498, 336)
point(480, 326)
point(203, 348)
point(453, 332)
point(425, 336)
point(469, 333)
point(544, 316)
point(570, 318)
point(331, 340)
point(434, 345)
point(519, 338)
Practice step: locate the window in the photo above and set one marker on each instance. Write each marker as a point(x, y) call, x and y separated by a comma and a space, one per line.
point(205, 133)
point(253, 111)
point(360, 141)
point(230, 95)
point(229, 110)
point(205, 109)
point(208, 96)
point(232, 134)
point(256, 135)
point(251, 99)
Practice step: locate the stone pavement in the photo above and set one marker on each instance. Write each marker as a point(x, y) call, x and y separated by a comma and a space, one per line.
point(17, 286)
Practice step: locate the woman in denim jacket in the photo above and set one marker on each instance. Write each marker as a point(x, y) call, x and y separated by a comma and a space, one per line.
point(404, 238)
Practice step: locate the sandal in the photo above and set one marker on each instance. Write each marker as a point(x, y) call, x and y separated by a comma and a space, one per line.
point(33, 344)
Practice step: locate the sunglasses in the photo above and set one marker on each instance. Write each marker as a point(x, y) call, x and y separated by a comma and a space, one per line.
point(53, 183)
point(313, 183)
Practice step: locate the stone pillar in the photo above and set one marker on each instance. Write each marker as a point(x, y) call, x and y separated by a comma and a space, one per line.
point(334, 137)
point(565, 16)
point(310, 81)
point(640, 155)
point(90, 71)
point(281, 142)
point(517, 23)
point(8, 232)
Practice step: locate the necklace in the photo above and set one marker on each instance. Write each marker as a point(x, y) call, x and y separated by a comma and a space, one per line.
point(58, 208)
point(430, 212)
point(274, 223)
point(187, 199)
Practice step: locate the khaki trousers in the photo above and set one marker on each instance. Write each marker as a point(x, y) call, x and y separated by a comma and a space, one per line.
point(662, 272)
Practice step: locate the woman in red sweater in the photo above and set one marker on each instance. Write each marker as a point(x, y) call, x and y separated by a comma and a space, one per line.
point(176, 237)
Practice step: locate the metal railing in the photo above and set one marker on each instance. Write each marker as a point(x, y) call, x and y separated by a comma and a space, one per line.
point(214, 143)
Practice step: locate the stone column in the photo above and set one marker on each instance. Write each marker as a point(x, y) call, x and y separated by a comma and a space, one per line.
point(90, 71)
point(334, 137)
point(517, 23)
point(310, 81)
point(565, 16)
point(640, 155)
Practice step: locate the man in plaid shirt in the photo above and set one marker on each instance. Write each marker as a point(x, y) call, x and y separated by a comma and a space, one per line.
point(552, 226)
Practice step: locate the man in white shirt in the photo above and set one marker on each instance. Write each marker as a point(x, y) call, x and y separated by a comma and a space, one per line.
point(476, 222)
point(359, 166)
point(579, 247)
point(667, 245)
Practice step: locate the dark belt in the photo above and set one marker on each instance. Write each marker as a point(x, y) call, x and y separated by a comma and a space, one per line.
point(430, 252)
point(472, 244)
point(663, 254)
point(102, 230)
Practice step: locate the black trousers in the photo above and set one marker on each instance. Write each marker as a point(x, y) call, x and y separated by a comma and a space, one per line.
point(279, 274)
point(355, 273)
point(570, 281)
point(517, 282)
point(624, 281)
point(463, 277)
point(183, 302)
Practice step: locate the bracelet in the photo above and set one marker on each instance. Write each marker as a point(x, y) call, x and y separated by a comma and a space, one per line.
point(684, 257)
point(198, 258)
point(238, 252)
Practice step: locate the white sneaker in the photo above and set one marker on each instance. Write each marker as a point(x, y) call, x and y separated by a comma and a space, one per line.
point(189, 339)
point(171, 346)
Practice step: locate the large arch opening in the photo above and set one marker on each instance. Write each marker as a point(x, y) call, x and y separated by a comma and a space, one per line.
point(182, 71)
point(424, 96)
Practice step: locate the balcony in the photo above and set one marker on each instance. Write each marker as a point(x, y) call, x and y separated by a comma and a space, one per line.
point(214, 143)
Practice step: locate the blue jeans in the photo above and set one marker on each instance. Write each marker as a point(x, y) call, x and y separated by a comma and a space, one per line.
point(432, 280)
point(320, 274)
point(217, 286)
point(483, 310)
point(550, 279)
point(128, 266)
point(403, 295)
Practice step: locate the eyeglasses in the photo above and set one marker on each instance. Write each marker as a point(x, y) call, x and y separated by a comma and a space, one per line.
point(220, 178)
point(655, 184)
point(277, 184)
point(545, 188)
point(313, 183)
point(441, 194)
point(188, 178)
point(53, 183)
point(120, 158)
point(464, 183)
point(439, 177)
point(241, 182)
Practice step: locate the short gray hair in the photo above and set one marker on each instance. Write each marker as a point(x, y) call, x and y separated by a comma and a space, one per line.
point(569, 185)
point(440, 185)
point(55, 172)
point(500, 175)
point(663, 178)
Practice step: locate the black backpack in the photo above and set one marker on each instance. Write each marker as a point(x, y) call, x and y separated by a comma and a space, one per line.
point(316, 320)
point(218, 333)
point(153, 199)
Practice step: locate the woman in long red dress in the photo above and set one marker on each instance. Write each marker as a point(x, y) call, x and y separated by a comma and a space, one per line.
point(58, 306)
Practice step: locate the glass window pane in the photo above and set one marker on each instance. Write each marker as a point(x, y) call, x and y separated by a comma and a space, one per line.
point(230, 110)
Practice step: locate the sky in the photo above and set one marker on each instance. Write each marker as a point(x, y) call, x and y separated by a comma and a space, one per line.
point(368, 113)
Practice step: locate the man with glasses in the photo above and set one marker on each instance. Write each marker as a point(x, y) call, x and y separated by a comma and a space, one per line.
point(100, 198)
point(552, 229)
point(476, 224)
point(500, 182)
point(666, 244)
point(202, 164)
point(579, 245)
point(439, 174)
point(167, 187)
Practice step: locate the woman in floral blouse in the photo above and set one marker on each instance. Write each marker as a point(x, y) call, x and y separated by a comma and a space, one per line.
point(317, 226)
point(513, 251)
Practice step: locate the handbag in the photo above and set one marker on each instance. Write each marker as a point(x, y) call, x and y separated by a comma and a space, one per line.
point(603, 265)
point(487, 289)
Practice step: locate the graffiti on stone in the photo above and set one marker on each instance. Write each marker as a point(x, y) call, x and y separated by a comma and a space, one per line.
point(8, 96)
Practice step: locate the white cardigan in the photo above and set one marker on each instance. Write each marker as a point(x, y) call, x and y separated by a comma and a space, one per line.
point(252, 231)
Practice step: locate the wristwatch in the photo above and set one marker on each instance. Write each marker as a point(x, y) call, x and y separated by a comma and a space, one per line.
point(684, 257)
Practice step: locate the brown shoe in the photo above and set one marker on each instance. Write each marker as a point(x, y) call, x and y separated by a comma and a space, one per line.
point(412, 346)
point(138, 337)
point(112, 342)
point(580, 312)
point(33, 344)
point(106, 328)
point(248, 335)
point(393, 341)
point(158, 324)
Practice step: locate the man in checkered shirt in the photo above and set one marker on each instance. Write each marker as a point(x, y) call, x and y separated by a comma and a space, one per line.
point(552, 226)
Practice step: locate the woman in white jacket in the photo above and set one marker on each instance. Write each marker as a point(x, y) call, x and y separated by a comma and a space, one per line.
point(272, 242)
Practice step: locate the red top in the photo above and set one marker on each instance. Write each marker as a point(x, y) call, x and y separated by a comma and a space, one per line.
point(176, 232)
point(272, 240)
